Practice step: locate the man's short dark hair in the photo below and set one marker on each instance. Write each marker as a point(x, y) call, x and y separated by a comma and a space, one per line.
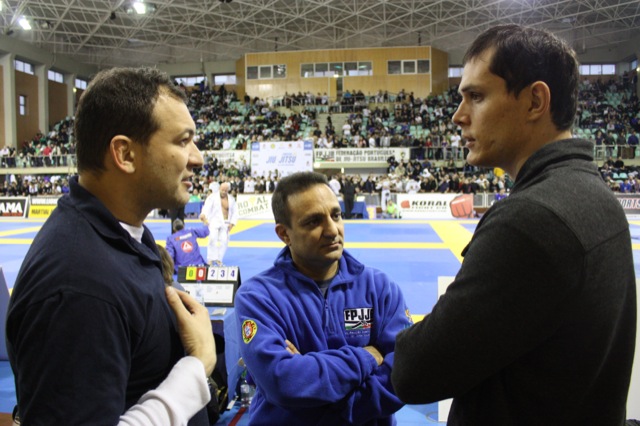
point(178, 225)
point(526, 55)
point(291, 185)
point(118, 101)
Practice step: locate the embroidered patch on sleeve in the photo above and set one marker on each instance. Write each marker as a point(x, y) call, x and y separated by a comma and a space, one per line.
point(408, 314)
point(249, 330)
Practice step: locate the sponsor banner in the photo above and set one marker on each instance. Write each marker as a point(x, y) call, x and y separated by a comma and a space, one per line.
point(254, 206)
point(630, 203)
point(285, 157)
point(41, 207)
point(377, 156)
point(13, 206)
point(228, 156)
point(44, 201)
point(435, 206)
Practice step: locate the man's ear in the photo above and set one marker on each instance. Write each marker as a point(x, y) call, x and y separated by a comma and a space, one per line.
point(282, 233)
point(540, 100)
point(122, 153)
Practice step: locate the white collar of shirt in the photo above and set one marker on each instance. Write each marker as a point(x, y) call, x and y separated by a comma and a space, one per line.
point(135, 231)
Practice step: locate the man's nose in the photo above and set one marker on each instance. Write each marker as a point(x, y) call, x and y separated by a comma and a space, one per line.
point(331, 228)
point(460, 116)
point(195, 156)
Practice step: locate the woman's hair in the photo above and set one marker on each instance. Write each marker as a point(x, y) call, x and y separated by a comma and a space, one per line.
point(167, 265)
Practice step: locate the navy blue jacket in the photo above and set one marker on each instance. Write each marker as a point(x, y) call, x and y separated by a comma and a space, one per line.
point(89, 329)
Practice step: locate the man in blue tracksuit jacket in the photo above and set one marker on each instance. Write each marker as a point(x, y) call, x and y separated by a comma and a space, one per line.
point(319, 327)
point(183, 246)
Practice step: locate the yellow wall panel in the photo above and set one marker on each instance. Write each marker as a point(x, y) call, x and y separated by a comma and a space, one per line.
point(420, 84)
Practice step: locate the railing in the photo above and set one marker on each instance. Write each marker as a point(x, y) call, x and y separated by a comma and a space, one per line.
point(435, 154)
point(19, 162)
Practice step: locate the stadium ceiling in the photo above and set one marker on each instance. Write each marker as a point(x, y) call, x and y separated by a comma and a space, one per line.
point(108, 33)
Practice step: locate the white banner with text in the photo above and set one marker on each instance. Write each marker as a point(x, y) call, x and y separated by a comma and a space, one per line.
point(371, 156)
point(435, 206)
point(254, 206)
point(285, 157)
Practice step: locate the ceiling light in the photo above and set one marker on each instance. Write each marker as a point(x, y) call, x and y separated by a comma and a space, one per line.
point(24, 23)
point(140, 8)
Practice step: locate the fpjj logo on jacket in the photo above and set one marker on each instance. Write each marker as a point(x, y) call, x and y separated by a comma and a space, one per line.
point(358, 321)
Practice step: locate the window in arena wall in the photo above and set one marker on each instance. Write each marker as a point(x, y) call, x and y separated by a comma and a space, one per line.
point(22, 105)
point(306, 70)
point(408, 66)
point(252, 73)
point(228, 79)
point(336, 68)
point(80, 84)
point(265, 71)
point(343, 69)
point(350, 68)
point(455, 72)
point(394, 67)
point(280, 71)
point(598, 69)
point(55, 76)
point(24, 67)
point(190, 81)
point(365, 68)
point(322, 69)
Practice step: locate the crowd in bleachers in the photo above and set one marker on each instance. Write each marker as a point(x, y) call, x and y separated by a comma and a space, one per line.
point(34, 185)
point(53, 149)
point(608, 114)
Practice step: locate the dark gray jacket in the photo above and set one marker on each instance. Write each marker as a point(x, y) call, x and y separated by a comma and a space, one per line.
point(538, 326)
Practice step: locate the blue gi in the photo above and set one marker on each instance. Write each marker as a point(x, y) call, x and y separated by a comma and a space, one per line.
point(183, 247)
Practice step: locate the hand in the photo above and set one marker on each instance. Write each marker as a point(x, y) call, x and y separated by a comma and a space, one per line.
point(203, 217)
point(194, 327)
point(291, 348)
point(376, 354)
point(230, 227)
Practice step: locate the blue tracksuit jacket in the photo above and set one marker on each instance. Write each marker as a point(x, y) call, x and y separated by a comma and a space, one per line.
point(333, 381)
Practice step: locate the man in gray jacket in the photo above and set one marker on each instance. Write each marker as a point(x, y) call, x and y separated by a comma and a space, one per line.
point(538, 326)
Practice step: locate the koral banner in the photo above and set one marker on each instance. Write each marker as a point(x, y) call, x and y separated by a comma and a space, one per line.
point(436, 206)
